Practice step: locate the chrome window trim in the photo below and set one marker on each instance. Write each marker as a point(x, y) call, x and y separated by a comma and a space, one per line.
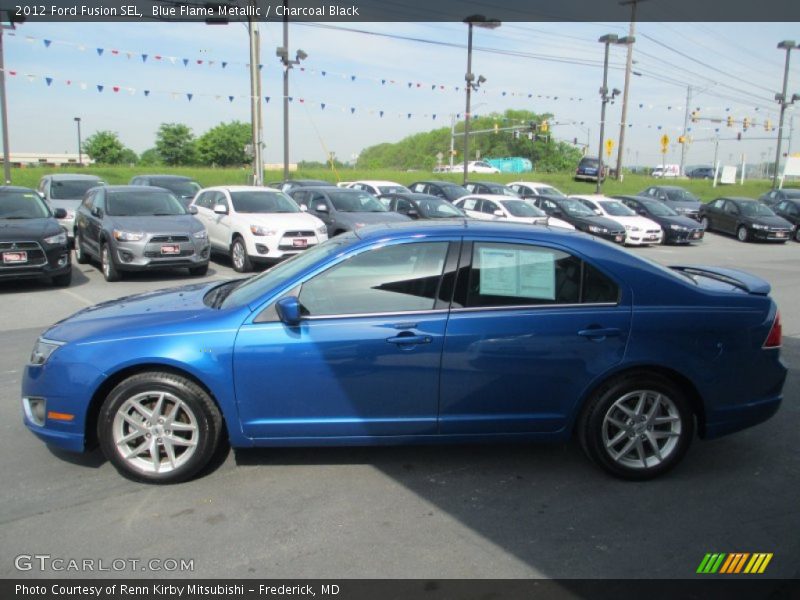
point(535, 306)
point(378, 314)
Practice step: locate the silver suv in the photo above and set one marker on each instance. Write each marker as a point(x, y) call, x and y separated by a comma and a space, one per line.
point(66, 190)
point(135, 228)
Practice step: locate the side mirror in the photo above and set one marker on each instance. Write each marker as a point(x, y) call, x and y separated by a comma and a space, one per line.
point(303, 208)
point(220, 209)
point(641, 211)
point(413, 213)
point(598, 212)
point(192, 209)
point(60, 213)
point(97, 212)
point(499, 213)
point(288, 310)
point(41, 195)
point(321, 207)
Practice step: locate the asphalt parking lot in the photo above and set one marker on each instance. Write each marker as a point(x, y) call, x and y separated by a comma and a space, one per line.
point(417, 512)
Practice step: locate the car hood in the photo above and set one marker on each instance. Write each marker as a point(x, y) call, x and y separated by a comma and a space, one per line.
point(609, 224)
point(668, 220)
point(13, 230)
point(299, 220)
point(684, 204)
point(640, 222)
point(133, 315)
point(150, 224)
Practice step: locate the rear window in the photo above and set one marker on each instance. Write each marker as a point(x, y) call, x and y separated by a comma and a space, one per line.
point(73, 189)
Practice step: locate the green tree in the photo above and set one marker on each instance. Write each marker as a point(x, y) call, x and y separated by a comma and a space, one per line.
point(175, 144)
point(223, 146)
point(105, 148)
point(129, 157)
point(150, 158)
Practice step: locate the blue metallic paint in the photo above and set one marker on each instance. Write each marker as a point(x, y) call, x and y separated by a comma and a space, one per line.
point(521, 372)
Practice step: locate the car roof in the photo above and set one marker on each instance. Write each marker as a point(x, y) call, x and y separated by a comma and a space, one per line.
point(738, 198)
point(172, 177)
point(241, 188)
point(72, 176)
point(472, 181)
point(415, 196)
point(15, 188)
point(533, 184)
point(436, 182)
point(669, 187)
point(592, 197)
point(495, 197)
point(377, 182)
point(133, 188)
point(454, 226)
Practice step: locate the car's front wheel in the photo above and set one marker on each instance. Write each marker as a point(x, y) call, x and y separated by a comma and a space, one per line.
point(704, 223)
point(797, 234)
point(80, 254)
point(239, 258)
point(637, 426)
point(110, 272)
point(742, 233)
point(158, 427)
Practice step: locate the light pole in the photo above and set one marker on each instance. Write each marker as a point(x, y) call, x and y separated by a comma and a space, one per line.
point(282, 52)
point(3, 99)
point(787, 45)
point(80, 156)
point(628, 70)
point(607, 40)
point(255, 99)
point(471, 83)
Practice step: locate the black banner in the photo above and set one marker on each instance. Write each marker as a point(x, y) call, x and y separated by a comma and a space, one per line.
point(222, 11)
point(711, 588)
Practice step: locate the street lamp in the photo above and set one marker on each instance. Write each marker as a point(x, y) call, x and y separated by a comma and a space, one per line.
point(80, 158)
point(472, 83)
point(781, 98)
point(605, 98)
point(282, 52)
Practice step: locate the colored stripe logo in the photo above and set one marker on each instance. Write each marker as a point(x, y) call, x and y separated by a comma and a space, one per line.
point(734, 563)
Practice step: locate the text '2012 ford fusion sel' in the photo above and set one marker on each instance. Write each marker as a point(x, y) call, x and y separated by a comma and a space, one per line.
point(420, 332)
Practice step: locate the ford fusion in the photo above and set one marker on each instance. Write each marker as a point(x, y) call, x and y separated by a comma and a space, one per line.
point(416, 333)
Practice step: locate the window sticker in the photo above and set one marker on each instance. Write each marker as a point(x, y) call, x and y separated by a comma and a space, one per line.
point(517, 273)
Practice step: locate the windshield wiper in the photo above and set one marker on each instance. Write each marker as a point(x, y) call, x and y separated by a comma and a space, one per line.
point(223, 291)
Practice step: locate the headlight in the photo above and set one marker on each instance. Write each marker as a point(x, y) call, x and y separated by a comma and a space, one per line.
point(758, 226)
point(597, 229)
point(200, 235)
point(128, 236)
point(261, 230)
point(678, 227)
point(322, 230)
point(42, 350)
point(59, 238)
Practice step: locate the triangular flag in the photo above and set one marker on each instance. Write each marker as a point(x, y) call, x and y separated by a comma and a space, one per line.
point(83, 85)
point(144, 57)
point(185, 62)
point(199, 61)
point(409, 115)
point(433, 87)
point(301, 100)
point(129, 55)
point(410, 84)
point(99, 88)
point(189, 96)
point(49, 80)
point(157, 57)
point(434, 117)
point(381, 113)
point(99, 52)
point(224, 64)
point(352, 109)
point(115, 52)
point(12, 72)
point(31, 78)
point(352, 77)
point(147, 92)
point(47, 43)
point(322, 105)
point(290, 98)
point(115, 88)
point(230, 98)
point(383, 82)
point(324, 73)
point(266, 98)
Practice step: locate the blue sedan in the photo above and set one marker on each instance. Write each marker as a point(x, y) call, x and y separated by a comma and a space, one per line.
point(417, 333)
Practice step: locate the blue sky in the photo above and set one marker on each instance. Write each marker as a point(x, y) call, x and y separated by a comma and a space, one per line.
point(734, 68)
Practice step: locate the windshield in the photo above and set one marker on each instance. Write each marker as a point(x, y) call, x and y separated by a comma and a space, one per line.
point(617, 209)
point(454, 192)
point(521, 208)
point(143, 204)
point(257, 286)
point(755, 209)
point(438, 209)
point(576, 208)
point(549, 191)
point(681, 196)
point(72, 189)
point(22, 205)
point(263, 202)
point(503, 190)
point(393, 189)
point(659, 209)
point(179, 188)
point(355, 202)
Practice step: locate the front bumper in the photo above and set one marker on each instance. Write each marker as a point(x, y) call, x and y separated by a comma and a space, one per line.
point(683, 237)
point(618, 237)
point(141, 256)
point(283, 245)
point(41, 262)
point(643, 238)
point(771, 236)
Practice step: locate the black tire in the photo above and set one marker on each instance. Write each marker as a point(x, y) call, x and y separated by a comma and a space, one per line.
point(195, 410)
point(243, 264)
point(198, 271)
point(704, 222)
point(80, 254)
point(107, 264)
point(602, 412)
point(742, 234)
point(797, 234)
point(63, 280)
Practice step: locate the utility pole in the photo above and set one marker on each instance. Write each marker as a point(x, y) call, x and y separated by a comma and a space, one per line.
point(452, 140)
point(787, 45)
point(286, 68)
point(628, 67)
point(255, 100)
point(716, 153)
point(4, 109)
point(685, 126)
point(791, 132)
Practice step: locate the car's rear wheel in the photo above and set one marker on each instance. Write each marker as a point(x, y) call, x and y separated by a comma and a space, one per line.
point(637, 426)
point(159, 427)
point(80, 253)
point(239, 258)
point(742, 233)
point(704, 223)
point(797, 234)
point(107, 264)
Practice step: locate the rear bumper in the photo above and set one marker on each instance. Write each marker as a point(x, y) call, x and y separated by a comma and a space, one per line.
point(735, 419)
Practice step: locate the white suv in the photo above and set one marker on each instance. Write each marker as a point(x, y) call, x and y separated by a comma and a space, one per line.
point(256, 224)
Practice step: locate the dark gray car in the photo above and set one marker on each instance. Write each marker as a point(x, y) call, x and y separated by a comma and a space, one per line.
point(66, 190)
point(678, 199)
point(344, 209)
point(135, 228)
point(184, 188)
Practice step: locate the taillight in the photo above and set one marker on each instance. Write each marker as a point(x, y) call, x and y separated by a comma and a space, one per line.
point(775, 333)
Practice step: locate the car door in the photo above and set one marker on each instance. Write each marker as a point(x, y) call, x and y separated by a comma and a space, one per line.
point(531, 329)
point(489, 209)
point(219, 226)
point(204, 203)
point(92, 222)
point(363, 361)
point(728, 218)
point(326, 216)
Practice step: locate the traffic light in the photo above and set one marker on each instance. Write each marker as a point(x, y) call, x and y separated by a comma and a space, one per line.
point(745, 123)
point(730, 120)
point(681, 139)
point(767, 125)
point(695, 116)
point(544, 127)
